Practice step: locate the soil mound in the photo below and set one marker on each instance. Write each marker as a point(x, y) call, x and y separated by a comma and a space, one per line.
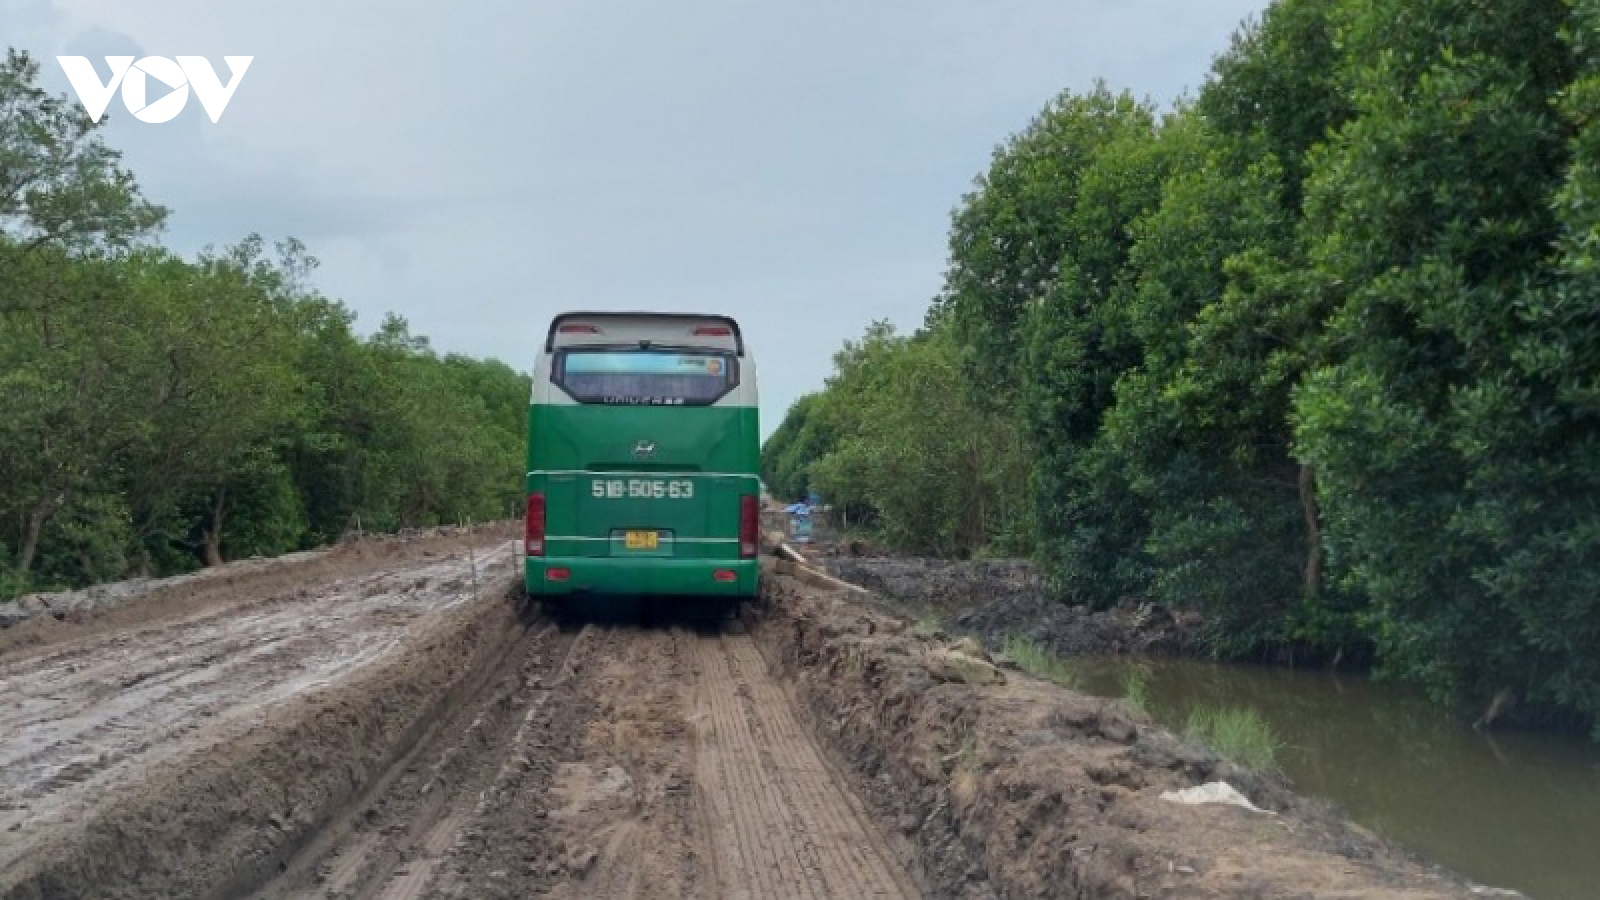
point(997, 599)
point(1024, 789)
point(238, 800)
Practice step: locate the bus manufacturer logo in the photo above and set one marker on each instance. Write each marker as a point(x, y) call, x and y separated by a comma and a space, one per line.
point(644, 449)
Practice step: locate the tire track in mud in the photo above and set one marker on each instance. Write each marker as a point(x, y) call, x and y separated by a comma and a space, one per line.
point(688, 776)
point(622, 812)
point(612, 762)
point(392, 843)
point(571, 812)
point(761, 770)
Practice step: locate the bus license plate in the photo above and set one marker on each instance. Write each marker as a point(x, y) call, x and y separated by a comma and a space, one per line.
point(640, 540)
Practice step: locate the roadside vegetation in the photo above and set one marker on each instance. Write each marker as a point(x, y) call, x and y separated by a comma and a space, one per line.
point(1237, 734)
point(1039, 661)
point(1316, 353)
point(159, 413)
point(895, 411)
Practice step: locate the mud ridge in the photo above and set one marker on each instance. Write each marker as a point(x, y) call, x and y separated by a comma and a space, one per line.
point(226, 815)
point(43, 619)
point(1010, 787)
point(994, 600)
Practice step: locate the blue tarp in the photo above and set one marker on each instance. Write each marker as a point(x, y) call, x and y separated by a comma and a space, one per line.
point(799, 522)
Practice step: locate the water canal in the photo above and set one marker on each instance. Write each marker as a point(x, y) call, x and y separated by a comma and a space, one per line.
point(1509, 810)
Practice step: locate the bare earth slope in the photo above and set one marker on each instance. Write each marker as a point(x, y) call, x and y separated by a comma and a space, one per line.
point(153, 756)
point(1023, 789)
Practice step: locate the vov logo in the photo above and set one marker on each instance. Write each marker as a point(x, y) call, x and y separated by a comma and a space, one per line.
point(134, 78)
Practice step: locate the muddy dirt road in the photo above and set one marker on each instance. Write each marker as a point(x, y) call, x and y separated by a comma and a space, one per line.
point(389, 727)
point(375, 723)
point(613, 761)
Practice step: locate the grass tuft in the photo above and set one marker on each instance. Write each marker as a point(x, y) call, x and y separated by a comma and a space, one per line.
point(1039, 661)
point(1136, 689)
point(1237, 734)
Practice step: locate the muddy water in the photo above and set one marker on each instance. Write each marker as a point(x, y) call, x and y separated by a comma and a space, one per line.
point(1518, 811)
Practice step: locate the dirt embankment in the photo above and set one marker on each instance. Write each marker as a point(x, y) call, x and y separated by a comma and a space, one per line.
point(1023, 789)
point(997, 599)
point(39, 619)
point(189, 752)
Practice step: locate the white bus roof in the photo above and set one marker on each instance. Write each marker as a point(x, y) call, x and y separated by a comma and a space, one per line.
point(611, 329)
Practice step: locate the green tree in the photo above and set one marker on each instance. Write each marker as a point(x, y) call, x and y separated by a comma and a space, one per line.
point(1077, 344)
point(74, 394)
point(801, 439)
point(1225, 330)
point(909, 453)
point(63, 199)
point(157, 412)
point(1009, 236)
point(229, 390)
point(60, 185)
point(1436, 449)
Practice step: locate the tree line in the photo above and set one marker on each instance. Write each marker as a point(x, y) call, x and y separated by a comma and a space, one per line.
point(159, 413)
point(1316, 352)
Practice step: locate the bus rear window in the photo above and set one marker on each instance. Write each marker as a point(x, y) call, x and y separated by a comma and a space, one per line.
point(644, 377)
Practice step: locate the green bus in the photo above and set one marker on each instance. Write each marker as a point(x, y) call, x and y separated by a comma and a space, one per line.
point(642, 458)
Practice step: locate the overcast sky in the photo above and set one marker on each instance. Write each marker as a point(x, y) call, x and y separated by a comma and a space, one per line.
point(479, 167)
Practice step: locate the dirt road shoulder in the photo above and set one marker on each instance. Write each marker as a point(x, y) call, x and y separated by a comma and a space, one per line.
point(1024, 789)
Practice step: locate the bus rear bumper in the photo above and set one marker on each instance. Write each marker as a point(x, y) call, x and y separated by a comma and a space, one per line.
point(679, 577)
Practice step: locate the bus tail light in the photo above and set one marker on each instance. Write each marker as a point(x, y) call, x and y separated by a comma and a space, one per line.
point(725, 575)
point(533, 539)
point(555, 574)
point(578, 329)
point(713, 331)
point(749, 526)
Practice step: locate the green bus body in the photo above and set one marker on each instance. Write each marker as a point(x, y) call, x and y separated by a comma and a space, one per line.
point(601, 471)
